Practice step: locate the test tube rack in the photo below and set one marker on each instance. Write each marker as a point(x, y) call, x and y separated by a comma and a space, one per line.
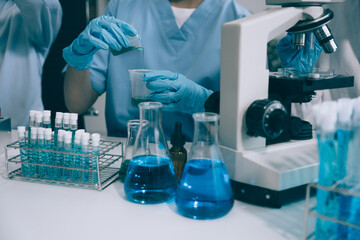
point(312, 215)
point(107, 163)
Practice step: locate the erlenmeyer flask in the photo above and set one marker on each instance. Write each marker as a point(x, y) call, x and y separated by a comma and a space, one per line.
point(132, 130)
point(151, 176)
point(204, 191)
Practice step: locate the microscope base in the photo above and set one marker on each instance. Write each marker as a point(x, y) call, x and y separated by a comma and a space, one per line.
point(267, 197)
point(273, 175)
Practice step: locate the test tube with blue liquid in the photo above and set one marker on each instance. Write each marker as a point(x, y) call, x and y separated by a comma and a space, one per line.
point(33, 154)
point(49, 155)
point(59, 156)
point(23, 154)
point(352, 179)
point(32, 114)
point(85, 159)
point(42, 158)
point(344, 137)
point(58, 125)
point(76, 163)
point(327, 202)
point(67, 157)
point(95, 142)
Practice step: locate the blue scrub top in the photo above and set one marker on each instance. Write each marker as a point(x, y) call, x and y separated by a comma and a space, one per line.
point(193, 50)
point(27, 29)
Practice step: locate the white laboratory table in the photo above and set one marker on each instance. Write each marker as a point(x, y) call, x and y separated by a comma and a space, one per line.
point(35, 211)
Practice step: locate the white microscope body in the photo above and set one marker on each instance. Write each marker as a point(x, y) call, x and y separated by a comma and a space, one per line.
point(260, 174)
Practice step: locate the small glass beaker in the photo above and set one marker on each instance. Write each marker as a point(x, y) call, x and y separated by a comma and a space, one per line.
point(139, 91)
point(151, 176)
point(204, 191)
point(134, 44)
point(132, 130)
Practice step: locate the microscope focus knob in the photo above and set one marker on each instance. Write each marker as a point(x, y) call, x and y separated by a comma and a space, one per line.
point(266, 118)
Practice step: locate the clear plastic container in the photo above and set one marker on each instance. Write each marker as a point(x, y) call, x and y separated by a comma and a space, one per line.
point(139, 91)
point(132, 130)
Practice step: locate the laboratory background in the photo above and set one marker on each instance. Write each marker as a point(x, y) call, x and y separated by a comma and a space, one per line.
point(179, 119)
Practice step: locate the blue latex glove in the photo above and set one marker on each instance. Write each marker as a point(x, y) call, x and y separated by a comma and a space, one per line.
point(101, 33)
point(176, 92)
point(303, 59)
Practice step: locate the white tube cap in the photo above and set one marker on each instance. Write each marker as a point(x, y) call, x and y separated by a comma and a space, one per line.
point(345, 110)
point(326, 116)
point(85, 138)
point(68, 137)
point(48, 133)
point(95, 138)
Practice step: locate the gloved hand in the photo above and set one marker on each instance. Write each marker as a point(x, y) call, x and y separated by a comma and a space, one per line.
point(176, 92)
point(303, 59)
point(101, 33)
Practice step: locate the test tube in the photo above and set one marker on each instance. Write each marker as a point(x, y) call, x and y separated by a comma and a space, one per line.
point(95, 142)
point(47, 119)
point(85, 160)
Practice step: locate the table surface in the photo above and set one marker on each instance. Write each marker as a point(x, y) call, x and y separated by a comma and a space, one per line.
point(40, 211)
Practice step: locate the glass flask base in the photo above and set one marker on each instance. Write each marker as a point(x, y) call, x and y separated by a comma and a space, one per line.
point(149, 197)
point(150, 180)
point(204, 191)
point(204, 210)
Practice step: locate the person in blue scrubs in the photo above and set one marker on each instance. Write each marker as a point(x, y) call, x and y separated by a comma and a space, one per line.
point(190, 52)
point(27, 30)
point(181, 41)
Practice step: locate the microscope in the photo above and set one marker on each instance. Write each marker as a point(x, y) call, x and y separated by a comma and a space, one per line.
point(266, 166)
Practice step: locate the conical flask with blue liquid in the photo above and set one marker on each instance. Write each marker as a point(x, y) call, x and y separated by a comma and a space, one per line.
point(204, 191)
point(151, 176)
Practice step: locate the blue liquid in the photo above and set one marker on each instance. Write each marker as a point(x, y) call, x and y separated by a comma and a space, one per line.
point(204, 191)
point(42, 160)
point(51, 162)
point(85, 165)
point(59, 161)
point(354, 234)
point(344, 214)
point(67, 163)
point(76, 164)
point(49, 159)
point(327, 202)
point(34, 155)
point(150, 179)
point(94, 175)
point(24, 158)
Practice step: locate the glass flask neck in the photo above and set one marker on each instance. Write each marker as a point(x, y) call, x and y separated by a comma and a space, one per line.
point(205, 143)
point(132, 130)
point(150, 139)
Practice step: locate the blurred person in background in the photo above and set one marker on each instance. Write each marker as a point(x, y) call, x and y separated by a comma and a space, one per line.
point(27, 30)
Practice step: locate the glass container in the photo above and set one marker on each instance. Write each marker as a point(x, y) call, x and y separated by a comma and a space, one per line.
point(151, 176)
point(204, 191)
point(132, 130)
